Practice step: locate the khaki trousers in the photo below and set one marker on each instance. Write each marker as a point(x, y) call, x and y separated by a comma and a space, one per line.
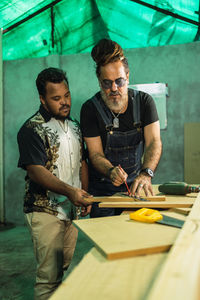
point(54, 243)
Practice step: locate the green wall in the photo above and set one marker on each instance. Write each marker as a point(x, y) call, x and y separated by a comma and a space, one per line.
point(177, 65)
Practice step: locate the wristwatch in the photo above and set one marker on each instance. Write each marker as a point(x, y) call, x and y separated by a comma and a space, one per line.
point(148, 171)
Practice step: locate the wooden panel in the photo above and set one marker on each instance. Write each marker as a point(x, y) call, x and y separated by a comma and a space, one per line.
point(179, 278)
point(99, 279)
point(118, 237)
point(171, 201)
point(191, 153)
point(117, 198)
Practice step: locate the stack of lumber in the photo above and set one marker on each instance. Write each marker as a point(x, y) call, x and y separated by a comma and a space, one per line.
point(137, 261)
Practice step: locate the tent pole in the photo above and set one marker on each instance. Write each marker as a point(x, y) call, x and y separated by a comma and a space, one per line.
point(167, 12)
point(2, 216)
point(197, 37)
point(52, 27)
point(32, 15)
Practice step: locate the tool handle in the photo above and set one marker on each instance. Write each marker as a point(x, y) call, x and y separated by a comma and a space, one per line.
point(146, 215)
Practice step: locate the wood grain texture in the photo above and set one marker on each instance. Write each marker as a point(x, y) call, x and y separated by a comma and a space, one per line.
point(166, 204)
point(99, 279)
point(123, 199)
point(191, 153)
point(171, 201)
point(118, 237)
point(179, 277)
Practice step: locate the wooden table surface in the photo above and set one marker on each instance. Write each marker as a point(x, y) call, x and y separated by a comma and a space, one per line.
point(101, 276)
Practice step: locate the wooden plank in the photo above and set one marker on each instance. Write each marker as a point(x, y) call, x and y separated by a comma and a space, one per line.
point(96, 278)
point(171, 201)
point(191, 153)
point(118, 237)
point(123, 199)
point(152, 204)
point(179, 277)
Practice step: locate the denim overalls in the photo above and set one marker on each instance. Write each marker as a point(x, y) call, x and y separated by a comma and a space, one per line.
point(124, 148)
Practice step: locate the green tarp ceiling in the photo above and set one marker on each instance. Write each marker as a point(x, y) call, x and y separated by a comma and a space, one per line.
point(40, 28)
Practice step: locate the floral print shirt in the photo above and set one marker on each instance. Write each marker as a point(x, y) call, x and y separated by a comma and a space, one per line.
point(44, 140)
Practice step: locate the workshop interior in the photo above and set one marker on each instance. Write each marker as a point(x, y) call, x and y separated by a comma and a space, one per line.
point(161, 40)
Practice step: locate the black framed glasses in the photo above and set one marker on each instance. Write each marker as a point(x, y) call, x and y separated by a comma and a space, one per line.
point(107, 84)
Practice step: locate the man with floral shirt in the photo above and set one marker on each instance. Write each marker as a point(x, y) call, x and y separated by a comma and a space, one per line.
point(50, 147)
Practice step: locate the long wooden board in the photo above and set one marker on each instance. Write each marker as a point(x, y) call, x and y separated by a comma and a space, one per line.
point(171, 201)
point(99, 279)
point(118, 237)
point(191, 153)
point(152, 204)
point(179, 277)
point(123, 199)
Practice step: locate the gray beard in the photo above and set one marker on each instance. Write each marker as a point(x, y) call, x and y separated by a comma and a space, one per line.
point(115, 105)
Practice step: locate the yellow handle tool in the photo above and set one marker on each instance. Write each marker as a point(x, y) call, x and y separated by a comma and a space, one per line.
point(149, 215)
point(146, 215)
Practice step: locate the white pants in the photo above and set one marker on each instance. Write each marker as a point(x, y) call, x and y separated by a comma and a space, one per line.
point(54, 243)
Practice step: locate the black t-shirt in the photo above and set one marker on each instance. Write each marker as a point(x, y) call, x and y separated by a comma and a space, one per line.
point(92, 124)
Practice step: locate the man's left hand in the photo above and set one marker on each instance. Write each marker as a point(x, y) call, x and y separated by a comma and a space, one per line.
point(85, 210)
point(142, 182)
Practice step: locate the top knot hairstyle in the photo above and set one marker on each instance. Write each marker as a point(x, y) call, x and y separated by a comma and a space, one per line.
point(107, 51)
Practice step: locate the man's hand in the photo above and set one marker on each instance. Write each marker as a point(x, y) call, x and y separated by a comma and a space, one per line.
point(142, 181)
point(45, 178)
point(76, 196)
point(85, 210)
point(118, 176)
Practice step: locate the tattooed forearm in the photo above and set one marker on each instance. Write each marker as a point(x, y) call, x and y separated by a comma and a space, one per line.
point(100, 163)
point(152, 155)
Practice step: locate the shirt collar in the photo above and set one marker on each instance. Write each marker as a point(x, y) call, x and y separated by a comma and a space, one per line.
point(46, 115)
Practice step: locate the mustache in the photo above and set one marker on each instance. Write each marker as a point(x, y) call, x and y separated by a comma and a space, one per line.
point(114, 94)
point(65, 106)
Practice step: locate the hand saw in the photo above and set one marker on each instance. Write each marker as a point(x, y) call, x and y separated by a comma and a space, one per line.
point(148, 215)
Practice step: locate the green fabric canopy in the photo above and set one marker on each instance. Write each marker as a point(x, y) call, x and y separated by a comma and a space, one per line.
point(39, 28)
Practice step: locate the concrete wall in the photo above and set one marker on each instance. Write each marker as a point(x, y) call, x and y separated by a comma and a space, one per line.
point(177, 65)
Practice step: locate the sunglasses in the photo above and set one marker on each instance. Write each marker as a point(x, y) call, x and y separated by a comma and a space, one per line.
point(107, 84)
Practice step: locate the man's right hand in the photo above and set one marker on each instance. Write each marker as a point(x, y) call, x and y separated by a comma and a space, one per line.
point(46, 179)
point(118, 176)
point(76, 196)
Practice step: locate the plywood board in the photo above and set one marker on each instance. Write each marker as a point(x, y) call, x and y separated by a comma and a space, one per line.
point(97, 278)
point(191, 153)
point(117, 198)
point(118, 237)
point(179, 277)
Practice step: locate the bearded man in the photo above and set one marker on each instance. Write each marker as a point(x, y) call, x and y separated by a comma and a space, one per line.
point(119, 125)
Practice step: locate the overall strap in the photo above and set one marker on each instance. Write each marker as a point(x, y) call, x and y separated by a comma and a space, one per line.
point(136, 108)
point(106, 116)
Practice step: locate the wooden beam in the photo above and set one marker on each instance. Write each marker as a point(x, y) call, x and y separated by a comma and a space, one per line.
point(124, 199)
point(99, 279)
point(188, 202)
point(179, 277)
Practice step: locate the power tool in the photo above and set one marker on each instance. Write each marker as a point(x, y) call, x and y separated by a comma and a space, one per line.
point(178, 188)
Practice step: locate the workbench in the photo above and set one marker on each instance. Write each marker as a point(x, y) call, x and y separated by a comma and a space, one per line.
point(136, 261)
